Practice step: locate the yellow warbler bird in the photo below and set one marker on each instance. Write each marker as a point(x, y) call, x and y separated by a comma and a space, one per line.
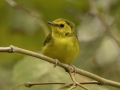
point(62, 43)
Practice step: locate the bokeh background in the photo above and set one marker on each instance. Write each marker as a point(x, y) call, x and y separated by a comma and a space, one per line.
point(99, 53)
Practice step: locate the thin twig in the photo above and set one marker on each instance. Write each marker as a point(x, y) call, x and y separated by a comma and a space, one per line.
point(100, 80)
point(29, 84)
point(95, 12)
point(17, 86)
point(40, 21)
point(76, 83)
point(72, 87)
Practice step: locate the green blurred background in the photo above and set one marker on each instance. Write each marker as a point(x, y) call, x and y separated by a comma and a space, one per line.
point(99, 53)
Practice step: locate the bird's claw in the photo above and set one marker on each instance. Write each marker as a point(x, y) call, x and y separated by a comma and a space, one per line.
point(56, 62)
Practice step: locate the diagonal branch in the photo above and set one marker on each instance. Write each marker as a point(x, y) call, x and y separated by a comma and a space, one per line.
point(75, 82)
point(101, 81)
point(40, 21)
point(95, 12)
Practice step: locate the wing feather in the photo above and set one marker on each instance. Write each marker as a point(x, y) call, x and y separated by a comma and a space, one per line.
point(47, 40)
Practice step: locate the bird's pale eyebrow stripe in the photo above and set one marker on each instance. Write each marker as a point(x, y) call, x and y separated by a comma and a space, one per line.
point(70, 24)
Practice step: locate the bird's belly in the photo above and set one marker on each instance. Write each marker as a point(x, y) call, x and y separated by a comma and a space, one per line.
point(63, 50)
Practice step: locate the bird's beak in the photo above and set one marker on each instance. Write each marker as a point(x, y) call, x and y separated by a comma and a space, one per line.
point(51, 23)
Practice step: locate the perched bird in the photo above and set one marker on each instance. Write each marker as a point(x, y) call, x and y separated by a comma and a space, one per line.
point(62, 43)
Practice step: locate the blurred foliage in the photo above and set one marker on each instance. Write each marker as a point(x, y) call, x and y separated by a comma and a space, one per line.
point(99, 53)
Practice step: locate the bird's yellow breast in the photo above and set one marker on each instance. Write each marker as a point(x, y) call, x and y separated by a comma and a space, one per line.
point(64, 49)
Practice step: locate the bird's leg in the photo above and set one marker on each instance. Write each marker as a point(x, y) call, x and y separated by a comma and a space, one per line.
point(56, 62)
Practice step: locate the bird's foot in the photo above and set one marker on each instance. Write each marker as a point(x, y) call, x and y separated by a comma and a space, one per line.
point(56, 63)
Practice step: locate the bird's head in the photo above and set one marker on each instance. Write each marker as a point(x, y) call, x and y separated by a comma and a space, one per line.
point(62, 27)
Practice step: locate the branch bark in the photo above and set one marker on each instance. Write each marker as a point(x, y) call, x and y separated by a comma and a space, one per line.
point(30, 84)
point(100, 80)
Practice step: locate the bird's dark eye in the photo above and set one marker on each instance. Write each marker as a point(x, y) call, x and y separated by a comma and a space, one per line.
point(62, 25)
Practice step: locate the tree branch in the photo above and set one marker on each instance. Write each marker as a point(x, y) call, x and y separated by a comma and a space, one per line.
point(101, 81)
point(95, 12)
point(40, 21)
point(30, 84)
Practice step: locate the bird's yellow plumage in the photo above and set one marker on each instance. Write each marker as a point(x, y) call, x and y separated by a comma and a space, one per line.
point(62, 42)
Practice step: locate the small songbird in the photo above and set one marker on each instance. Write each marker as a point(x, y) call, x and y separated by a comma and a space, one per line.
point(62, 43)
